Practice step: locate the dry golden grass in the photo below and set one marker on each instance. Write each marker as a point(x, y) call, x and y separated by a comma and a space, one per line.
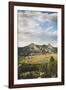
point(37, 59)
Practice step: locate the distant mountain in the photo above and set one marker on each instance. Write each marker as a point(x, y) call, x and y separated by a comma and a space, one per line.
point(33, 49)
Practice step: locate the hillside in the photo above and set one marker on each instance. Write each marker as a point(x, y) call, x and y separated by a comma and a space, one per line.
point(37, 61)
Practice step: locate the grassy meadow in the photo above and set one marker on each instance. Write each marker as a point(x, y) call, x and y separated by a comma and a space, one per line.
point(37, 66)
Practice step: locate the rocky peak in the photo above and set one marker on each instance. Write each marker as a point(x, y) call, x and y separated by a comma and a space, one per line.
point(49, 45)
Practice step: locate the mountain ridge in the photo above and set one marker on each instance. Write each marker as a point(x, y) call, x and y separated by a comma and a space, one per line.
point(33, 49)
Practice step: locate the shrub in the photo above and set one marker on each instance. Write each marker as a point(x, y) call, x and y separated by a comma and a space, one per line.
point(52, 67)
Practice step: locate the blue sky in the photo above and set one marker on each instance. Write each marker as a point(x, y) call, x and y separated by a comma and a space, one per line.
point(36, 27)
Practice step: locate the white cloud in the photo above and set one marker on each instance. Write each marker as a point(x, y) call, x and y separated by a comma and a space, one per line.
point(29, 30)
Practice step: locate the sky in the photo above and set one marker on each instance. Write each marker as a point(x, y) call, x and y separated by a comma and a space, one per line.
point(37, 27)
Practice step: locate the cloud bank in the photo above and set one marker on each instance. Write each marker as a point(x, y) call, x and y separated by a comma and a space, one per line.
point(36, 27)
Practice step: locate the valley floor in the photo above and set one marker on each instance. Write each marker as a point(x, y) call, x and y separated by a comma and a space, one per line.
point(37, 66)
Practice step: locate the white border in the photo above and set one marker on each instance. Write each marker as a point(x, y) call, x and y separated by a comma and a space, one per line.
point(45, 80)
